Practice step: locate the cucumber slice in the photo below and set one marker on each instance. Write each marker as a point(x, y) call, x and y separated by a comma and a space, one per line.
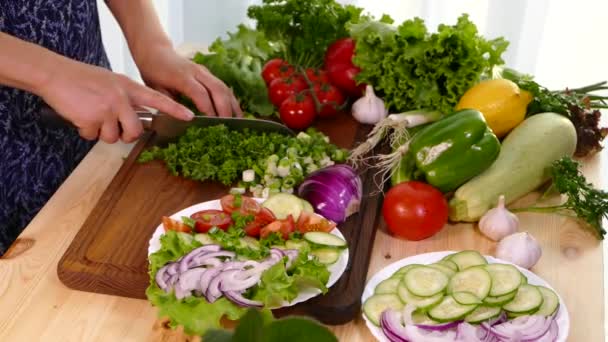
point(527, 299)
point(417, 301)
point(449, 263)
point(250, 242)
point(444, 269)
point(307, 207)
point(419, 317)
point(550, 302)
point(283, 204)
point(466, 298)
point(326, 256)
point(425, 281)
point(475, 280)
point(505, 279)
point(524, 279)
point(387, 286)
point(324, 239)
point(449, 310)
point(501, 300)
point(482, 313)
point(296, 244)
point(204, 239)
point(376, 304)
point(466, 259)
point(403, 270)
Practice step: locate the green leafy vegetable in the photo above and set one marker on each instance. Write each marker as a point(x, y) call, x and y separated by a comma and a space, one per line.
point(414, 69)
point(238, 62)
point(304, 29)
point(584, 201)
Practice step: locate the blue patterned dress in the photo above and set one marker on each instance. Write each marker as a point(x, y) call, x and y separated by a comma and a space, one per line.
point(35, 159)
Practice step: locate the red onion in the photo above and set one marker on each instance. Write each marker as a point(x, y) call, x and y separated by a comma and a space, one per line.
point(393, 329)
point(335, 192)
point(239, 300)
point(524, 328)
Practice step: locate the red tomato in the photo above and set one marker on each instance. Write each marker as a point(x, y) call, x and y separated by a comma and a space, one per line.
point(207, 219)
point(308, 222)
point(298, 111)
point(262, 219)
point(340, 52)
point(276, 68)
point(247, 205)
point(343, 77)
point(178, 226)
point(280, 89)
point(317, 75)
point(330, 99)
point(284, 227)
point(414, 210)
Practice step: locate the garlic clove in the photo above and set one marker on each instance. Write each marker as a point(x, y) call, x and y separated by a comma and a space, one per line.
point(498, 222)
point(522, 249)
point(369, 109)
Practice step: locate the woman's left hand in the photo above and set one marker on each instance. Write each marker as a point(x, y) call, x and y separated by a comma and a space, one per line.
point(166, 71)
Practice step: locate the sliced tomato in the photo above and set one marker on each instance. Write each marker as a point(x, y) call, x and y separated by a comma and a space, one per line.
point(178, 226)
point(310, 222)
point(207, 219)
point(262, 219)
point(284, 227)
point(245, 205)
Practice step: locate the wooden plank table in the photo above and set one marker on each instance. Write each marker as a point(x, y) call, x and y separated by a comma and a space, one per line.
point(36, 306)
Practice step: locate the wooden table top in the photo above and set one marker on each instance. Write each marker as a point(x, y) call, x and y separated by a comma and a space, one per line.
point(36, 306)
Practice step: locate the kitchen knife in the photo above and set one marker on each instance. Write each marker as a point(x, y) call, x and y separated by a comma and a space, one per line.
point(169, 127)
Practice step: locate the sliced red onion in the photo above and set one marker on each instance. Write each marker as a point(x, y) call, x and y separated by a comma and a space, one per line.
point(207, 262)
point(239, 300)
point(551, 335)
point(188, 281)
point(207, 277)
point(213, 292)
point(469, 333)
point(393, 329)
point(161, 279)
point(276, 254)
point(524, 328)
point(231, 282)
point(292, 255)
point(439, 326)
point(334, 191)
point(201, 257)
point(173, 268)
point(184, 263)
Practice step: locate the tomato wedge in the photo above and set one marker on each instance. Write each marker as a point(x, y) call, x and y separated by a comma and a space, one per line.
point(178, 226)
point(284, 227)
point(309, 222)
point(262, 219)
point(247, 205)
point(207, 219)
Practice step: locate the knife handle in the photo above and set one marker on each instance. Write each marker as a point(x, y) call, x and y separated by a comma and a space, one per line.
point(49, 117)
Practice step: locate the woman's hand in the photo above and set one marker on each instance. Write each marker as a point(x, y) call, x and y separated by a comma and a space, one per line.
point(96, 100)
point(164, 70)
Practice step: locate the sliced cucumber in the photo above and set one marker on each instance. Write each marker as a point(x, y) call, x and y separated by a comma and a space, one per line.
point(185, 237)
point(283, 205)
point(443, 268)
point(204, 239)
point(450, 310)
point(475, 280)
point(325, 239)
point(505, 279)
point(417, 301)
point(550, 302)
point(376, 304)
point(387, 286)
point(419, 317)
point(501, 300)
point(425, 281)
point(528, 299)
point(250, 242)
point(524, 279)
point(307, 207)
point(466, 298)
point(326, 256)
point(482, 313)
point(400, 272)
point(449, 263)
point(296, 244)
point(466, 259)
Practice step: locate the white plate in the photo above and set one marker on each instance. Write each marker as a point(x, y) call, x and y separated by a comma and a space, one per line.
point(563, 321)
point(336, 270)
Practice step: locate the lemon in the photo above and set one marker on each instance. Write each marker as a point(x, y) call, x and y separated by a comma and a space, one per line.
point(501, 102)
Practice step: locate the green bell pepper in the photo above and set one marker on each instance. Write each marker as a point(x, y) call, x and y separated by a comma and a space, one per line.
point(449, 152)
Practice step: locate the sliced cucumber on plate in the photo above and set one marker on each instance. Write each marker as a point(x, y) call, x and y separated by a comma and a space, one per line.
point(326, 256)
point(325, 239)
point(376, 304)
point(283, 205)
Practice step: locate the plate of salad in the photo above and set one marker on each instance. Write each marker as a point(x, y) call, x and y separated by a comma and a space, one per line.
point(220, 257)
point(462, 296)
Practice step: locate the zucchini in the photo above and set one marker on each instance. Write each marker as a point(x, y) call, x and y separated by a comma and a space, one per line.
point(425, 281)
point(376, 304)
point(523, 165)
point(387, 286)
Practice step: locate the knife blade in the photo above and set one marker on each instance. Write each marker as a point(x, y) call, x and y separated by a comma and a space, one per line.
point(168, 127)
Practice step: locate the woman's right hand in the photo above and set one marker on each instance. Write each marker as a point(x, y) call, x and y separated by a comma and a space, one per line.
point(96, 100)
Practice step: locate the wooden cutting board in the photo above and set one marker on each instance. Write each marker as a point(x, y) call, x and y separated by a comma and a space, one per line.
point(109, 253)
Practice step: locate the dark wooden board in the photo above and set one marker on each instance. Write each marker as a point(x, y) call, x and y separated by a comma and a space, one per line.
point(109, 253)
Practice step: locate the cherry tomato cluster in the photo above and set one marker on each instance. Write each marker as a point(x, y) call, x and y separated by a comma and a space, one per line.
point(302, 95)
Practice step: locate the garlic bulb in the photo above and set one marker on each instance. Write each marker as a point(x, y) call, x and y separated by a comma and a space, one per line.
point(498, 222)
point(522, 249)
point(369, 109)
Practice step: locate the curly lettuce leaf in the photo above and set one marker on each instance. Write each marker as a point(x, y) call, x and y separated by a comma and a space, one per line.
point(414, 69)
